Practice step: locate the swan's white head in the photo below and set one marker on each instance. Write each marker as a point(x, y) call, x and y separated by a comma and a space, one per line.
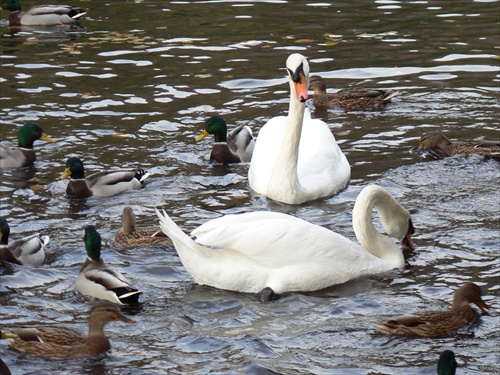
point(298, 72)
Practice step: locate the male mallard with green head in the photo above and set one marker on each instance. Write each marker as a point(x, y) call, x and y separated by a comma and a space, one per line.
point(96, 280)
point(23, 155)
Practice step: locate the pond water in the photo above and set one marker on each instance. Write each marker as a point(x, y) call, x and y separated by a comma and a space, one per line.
point(132, 88)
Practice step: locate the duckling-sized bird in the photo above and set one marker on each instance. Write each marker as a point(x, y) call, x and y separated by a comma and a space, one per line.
point(43, 15)
point(23, 155)
point(440, 146)
point(67, 343)
point(96, 280)
point(26, 251)
point(349, 99)
point(437, 323)
point(130, 237)
point(102, 184)
point(447, 365)
point(235, 147)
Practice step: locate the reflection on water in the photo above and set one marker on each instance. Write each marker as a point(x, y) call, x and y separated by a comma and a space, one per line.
point(133, 88)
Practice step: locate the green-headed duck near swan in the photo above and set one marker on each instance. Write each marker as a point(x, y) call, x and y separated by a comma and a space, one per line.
point(96, 280)
point(296, 159)
point(270, 252)
point(437, 323)
point(349, 99)
point(23, 155)
point(129, 236)
point(54, 342)
point(439, 146)
point(42, 15)
point(447, 364)
point(26, 251)
point(235, 147)
point(102, 184)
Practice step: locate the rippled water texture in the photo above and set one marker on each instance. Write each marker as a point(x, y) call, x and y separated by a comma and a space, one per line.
point(132, 89)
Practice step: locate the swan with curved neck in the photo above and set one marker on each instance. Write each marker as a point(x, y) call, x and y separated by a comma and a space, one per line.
point(269, 251)
point(296, 159)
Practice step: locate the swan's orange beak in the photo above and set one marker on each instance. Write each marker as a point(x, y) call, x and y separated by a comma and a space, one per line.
point(301, 88)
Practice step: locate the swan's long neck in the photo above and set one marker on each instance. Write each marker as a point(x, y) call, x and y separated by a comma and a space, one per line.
point(370, 238)
point(285, 176)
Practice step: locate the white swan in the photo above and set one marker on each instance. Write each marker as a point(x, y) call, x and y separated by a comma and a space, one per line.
point(273, 252)
point(296, 159)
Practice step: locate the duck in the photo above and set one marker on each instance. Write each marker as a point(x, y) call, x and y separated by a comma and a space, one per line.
point(437, 323)
point(4, 369)
point(26, 251)
point(440, 146)
point(96, 280)
point(271, 253)
point(296, 159)
point(349, 99)
point(43, 15)
point(102, 184)
point(447, 364)
point(23, 155)
point(129, 236)
point(235, 147)
point(54, 342)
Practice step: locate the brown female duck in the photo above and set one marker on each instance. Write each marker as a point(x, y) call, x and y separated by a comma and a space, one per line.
point(349, 99)
point(437, 323)
point(440, 146)
point(66, 343)
point(129, 236)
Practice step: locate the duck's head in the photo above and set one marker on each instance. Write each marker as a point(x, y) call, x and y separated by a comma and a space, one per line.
point(471, 293)
point(107, 312)
point(92, 241)
point(298, 73)
point(217, 126)
point(4, 231)
point(74, 168)
point(316, 83)
point(447, 364)
point(29, 133)
point(11, 5)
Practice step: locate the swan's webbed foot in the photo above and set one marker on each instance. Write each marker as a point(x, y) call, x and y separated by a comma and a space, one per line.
point(267, 294)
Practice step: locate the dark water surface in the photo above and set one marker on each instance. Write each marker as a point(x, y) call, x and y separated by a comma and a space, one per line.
point(151, 72)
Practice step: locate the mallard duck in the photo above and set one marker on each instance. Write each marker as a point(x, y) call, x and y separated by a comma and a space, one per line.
point(235, 147)
point(67, 343)
point(95, 280)
point(103, 184)
point(43, 15)
point(130, 237)
point(4, 369)
point(447, 365)
point(296, 159)
point(440, 146)
point(437, 323)
point(271, 252)
point(349, 99)
point(27, 251)
point(23, 155)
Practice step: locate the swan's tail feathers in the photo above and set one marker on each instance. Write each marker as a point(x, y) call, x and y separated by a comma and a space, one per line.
point(170, 228)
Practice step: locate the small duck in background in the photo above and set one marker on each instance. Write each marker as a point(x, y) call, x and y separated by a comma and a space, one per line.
point(96, 280)
point(26, 251)
point(447, 364)
point(439, 146)
point(54, 342)
point(349, 99)
point(43, 15)
point(102, 184)
point(23, 155)
point(437, 323)
point(129, 236)
point(235, 147)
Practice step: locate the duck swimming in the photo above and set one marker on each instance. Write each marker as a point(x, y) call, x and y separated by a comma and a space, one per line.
point(271, 252)
point(23, 155)
point(349, 99)
point(235, 147)
point(296, 159)
point(437, 323)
